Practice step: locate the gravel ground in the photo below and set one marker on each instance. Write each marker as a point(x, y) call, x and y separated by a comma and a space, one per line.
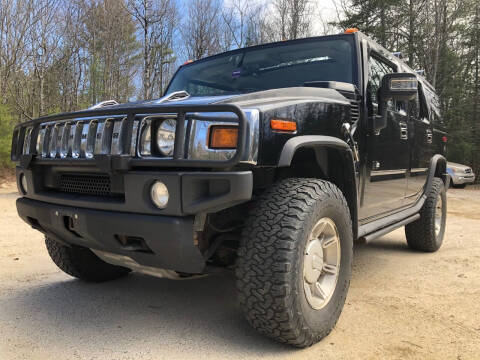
point(401, 304)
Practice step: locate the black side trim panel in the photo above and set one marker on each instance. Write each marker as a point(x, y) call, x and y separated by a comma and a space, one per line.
point(437, 168)
point(390, 228)
point(392, 219)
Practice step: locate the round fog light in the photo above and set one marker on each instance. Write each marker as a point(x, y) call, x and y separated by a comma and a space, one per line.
point(23, 184)
point(159, 194)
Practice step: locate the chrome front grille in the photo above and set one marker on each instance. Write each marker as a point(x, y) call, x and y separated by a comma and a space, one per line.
point(110, 137)
point(84, 138)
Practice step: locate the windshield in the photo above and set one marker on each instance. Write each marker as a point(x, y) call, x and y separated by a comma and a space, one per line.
point(274, 66)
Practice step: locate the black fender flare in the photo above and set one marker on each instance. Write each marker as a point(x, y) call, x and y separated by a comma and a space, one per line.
point(348, 164)
point(437, 168)
point(295, 143)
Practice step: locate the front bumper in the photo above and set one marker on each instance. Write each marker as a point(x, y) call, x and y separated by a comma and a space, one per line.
point(133, 226)
point(169, 240)
point(463, 179)
point(190, 192)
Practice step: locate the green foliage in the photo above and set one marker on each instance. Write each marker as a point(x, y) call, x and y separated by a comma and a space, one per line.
point(6, 130)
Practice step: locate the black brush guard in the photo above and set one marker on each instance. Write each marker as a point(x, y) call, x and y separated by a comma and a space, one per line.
point(125, 161)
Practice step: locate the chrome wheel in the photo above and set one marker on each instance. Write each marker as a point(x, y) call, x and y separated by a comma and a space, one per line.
point(321, 265)
point(438, 215)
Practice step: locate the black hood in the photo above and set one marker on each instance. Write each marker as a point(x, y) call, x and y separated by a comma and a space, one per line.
point(265, 100)
point(270, 99)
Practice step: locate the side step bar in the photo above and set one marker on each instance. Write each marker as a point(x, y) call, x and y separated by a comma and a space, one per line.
point(386, 230)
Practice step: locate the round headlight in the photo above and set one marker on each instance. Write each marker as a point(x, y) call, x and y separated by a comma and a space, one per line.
point(159, 194)
point(166, 137)
point(23, 184)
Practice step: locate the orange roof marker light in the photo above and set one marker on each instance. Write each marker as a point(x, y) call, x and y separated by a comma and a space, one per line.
point(283, 125)
point(351, 30)
point(187, 62)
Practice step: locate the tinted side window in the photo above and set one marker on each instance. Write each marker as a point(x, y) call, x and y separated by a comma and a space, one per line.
point(423, 104)
point(414, 106)
point(377, 69)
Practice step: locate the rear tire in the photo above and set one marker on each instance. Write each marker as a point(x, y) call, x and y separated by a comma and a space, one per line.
point(275, 260)
point(82, 263)
point(426, 234)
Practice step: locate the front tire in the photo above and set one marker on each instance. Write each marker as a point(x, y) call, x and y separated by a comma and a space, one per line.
point(82, 263)
point(427, 233)
point(287, 252)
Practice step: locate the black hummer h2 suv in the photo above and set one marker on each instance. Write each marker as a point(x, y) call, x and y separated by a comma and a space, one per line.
point(270, 160)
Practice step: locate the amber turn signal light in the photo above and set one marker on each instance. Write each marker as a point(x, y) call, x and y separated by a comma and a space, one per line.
point(283, 125)
point(223, 137)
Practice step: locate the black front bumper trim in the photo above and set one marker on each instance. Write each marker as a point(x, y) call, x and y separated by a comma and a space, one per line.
point(169, 238)
point(190, 192)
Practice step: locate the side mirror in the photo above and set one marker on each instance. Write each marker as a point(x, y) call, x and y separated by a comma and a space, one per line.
point(398, 86)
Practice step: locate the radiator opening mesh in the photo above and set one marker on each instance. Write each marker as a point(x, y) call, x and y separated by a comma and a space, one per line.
point(94, 185)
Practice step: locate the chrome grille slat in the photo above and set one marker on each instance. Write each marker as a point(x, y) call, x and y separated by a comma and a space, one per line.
point(84, 139)
point(107, 137)
point(27, 141)
point(92, 133)
point(52, 144)
point(40, 139)
point(99, 138)
point(46, 141)
point(71, 136)
point(116, 147)
point(55, 140)
point(65, 138)
point(76, 140)
point(133, 144)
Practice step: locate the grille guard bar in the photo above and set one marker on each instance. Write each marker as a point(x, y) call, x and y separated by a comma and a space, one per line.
point(124, 161)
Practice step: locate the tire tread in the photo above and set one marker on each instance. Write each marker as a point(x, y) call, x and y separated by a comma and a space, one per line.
point(266, 259)
point(420, 234)
point(82, 263)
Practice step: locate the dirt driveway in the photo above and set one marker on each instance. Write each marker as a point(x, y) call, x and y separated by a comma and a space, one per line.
point(401, 304)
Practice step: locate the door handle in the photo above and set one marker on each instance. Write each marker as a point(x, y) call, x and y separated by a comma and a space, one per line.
point(403, 130)
point(429, 136)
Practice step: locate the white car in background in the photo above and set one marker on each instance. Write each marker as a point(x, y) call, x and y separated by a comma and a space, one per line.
point(460, 175)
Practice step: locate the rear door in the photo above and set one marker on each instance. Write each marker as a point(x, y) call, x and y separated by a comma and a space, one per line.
point(387, 150)
point(421, 145)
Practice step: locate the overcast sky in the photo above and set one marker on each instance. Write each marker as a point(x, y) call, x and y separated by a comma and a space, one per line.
point(327, 10)
point(324, 8)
